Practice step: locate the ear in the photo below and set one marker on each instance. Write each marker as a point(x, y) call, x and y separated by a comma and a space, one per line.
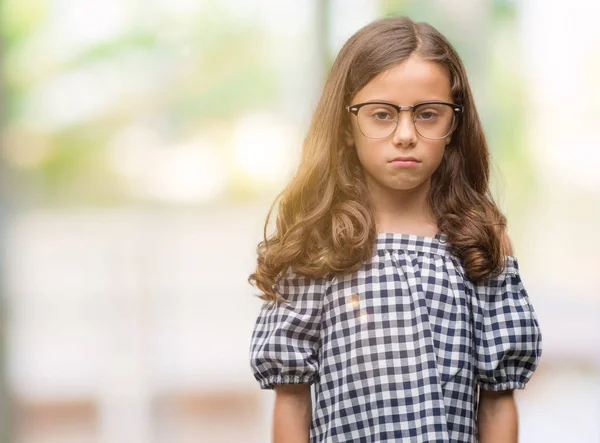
point(348, 137)
point(449, 138)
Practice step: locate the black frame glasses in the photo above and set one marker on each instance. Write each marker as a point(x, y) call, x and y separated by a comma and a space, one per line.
point(456, 110)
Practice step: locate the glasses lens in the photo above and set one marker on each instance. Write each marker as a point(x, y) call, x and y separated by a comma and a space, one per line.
point(433, 120)
point(377, 121)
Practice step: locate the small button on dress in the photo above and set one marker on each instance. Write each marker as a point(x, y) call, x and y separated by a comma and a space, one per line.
point(397, 351)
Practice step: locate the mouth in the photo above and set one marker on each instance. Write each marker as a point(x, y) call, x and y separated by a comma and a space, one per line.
point(405, 159)
point(404, 162)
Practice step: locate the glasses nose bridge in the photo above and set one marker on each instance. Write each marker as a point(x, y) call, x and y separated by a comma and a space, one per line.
point(404, 108)
point(399, 115)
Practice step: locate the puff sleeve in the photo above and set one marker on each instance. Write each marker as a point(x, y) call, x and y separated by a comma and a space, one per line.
point(286, 336)
point(508, 339)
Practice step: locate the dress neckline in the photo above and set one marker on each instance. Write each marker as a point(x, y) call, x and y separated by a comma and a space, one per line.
point(413, 242)
point(438, 244)
point(439, 236)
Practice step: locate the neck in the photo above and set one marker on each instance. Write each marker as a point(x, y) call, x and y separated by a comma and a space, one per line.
point(402, 211)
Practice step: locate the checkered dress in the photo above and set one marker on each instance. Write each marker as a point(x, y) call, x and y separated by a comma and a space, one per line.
point(397, 351)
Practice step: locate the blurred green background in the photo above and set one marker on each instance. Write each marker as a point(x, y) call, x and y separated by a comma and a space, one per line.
point(141, 145)
point(98, 94)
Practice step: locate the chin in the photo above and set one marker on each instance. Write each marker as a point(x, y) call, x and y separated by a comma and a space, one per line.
point(398, 183)
point(407, 186)
point(404, 188)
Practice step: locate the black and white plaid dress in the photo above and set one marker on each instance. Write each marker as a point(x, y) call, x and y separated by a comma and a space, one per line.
point(397, 351)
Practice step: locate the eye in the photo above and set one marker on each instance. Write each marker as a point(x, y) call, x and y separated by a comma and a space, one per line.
point(427, 115)
point(382, 115)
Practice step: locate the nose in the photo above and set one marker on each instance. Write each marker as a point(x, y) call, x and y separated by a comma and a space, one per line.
point(405, 133)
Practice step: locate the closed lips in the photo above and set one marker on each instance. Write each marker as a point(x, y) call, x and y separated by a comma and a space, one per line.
point(405, 159)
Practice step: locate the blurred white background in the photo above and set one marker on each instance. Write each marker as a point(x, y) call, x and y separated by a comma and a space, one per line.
point(141, 146)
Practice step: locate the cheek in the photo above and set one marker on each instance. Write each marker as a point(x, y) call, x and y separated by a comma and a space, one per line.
point(435, 150)
point(368, 152)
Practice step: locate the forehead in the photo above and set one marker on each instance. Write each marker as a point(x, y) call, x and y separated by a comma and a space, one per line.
point(411, 81)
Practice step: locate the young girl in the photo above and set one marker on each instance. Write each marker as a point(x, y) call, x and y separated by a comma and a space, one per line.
point(390, 285)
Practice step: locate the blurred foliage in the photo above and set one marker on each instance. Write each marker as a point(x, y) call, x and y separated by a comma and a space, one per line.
point(19, 19)
point(203, 68)
point(186, 74)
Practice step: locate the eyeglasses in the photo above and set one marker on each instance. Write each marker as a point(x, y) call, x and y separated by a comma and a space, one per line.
point(433, 120)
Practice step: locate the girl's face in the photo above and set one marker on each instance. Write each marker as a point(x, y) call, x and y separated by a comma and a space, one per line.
point(412, 81)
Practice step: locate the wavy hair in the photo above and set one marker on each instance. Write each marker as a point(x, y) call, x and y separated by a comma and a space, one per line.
point(324, 223)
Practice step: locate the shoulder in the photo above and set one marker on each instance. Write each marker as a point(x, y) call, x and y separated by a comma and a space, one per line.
point(294, 284)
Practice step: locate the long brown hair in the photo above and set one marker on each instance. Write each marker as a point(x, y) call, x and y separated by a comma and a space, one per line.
point(324, 223)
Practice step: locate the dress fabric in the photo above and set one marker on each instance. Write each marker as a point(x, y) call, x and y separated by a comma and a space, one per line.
point(397, 351)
